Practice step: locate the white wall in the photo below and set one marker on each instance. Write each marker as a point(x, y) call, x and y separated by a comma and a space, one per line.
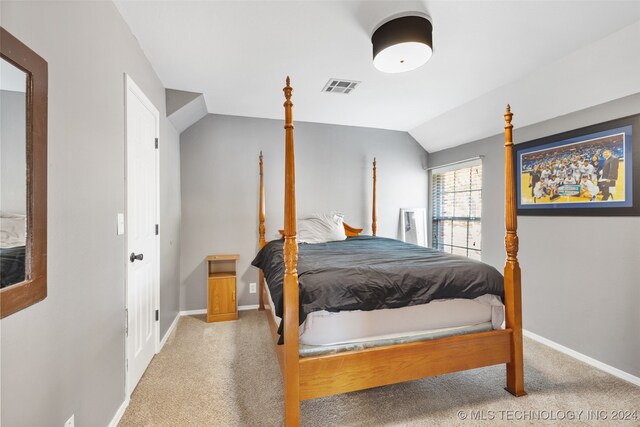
point(220, 183)
point(586, 299)
point(65, 355)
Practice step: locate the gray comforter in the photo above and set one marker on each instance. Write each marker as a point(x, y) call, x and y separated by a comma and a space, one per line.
point(369, 273)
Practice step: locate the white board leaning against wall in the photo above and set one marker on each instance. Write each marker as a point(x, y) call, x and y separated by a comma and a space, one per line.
point(413, 226)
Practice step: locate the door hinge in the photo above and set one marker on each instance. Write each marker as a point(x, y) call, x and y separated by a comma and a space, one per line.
point(157, 315)
point(126, 322)
point(157, 229)
point(126, 364)
point(156, 142)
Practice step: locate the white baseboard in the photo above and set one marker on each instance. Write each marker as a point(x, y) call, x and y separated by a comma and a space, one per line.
point(193, 312)
point(204, 310)
point(169, 331)
point(583, 358)
point(119, 413)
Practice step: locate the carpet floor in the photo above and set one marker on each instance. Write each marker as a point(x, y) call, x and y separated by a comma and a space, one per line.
point(226, 374)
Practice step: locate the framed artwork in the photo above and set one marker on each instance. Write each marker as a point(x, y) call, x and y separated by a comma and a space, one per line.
point(592, 171)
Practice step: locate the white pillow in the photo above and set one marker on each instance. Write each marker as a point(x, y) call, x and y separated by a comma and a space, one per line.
point(13, 230)
point(320, 228)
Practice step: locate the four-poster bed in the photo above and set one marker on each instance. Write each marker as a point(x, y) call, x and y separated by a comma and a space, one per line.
point(317, 375)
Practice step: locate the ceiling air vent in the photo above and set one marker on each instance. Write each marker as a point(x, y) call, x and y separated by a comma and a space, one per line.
point(340, 86)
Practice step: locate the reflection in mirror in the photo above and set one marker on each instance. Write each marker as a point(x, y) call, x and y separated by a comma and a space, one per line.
point(13, 174)
point(413, 226)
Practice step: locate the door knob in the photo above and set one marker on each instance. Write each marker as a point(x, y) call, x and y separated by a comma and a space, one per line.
point(134, 257)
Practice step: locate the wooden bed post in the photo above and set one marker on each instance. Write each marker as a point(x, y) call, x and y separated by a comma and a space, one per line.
point(374, 216)
point(512, 286)
point(261, 231)
point(291, 296)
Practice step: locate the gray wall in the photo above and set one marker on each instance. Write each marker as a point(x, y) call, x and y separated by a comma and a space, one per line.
point(220, 182)
point(586, 299)
point(170, 222)
point(13, 152)
point(66, 354)
point(176, 99)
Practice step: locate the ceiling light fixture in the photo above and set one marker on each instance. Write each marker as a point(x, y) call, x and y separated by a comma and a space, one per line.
point(402, 44)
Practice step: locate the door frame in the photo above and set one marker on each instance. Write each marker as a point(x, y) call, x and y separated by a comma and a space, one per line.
point(131, 88)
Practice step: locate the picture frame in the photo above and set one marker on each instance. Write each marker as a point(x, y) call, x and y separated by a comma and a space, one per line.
point(590, 171)
point(413, 226)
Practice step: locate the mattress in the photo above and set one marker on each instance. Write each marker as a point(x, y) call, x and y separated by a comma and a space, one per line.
point(323, 328)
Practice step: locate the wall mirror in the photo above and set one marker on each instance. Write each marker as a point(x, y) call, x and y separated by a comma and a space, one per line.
point(413, 226)
point(23, 175)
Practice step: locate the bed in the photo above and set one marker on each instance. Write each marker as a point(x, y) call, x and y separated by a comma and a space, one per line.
point(367, 277)
point(396, 333)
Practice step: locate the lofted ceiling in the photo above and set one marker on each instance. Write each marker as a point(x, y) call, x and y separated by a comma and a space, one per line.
point(237, 53)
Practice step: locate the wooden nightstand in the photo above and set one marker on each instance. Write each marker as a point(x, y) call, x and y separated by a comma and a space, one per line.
point(221, 296)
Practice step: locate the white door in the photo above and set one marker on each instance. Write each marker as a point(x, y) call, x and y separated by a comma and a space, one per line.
point(142, 217)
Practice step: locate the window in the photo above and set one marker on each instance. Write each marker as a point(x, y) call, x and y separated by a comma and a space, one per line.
point(457, 206)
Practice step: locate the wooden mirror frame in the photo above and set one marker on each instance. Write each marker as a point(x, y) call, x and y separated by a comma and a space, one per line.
point(33, 289)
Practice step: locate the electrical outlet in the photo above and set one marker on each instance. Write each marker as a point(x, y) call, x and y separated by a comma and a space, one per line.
point(70, 422)
point(252, 288)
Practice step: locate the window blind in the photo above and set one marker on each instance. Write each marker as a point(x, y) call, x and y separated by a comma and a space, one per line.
point(457, 210)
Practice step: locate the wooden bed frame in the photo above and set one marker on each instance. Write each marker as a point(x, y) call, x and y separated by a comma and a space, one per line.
point(325, 375)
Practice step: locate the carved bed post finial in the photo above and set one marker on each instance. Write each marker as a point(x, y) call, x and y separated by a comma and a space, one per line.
point(291, 297)
point(512, 279)
point(288, 90)
point(374, 215)
point(288, 113)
